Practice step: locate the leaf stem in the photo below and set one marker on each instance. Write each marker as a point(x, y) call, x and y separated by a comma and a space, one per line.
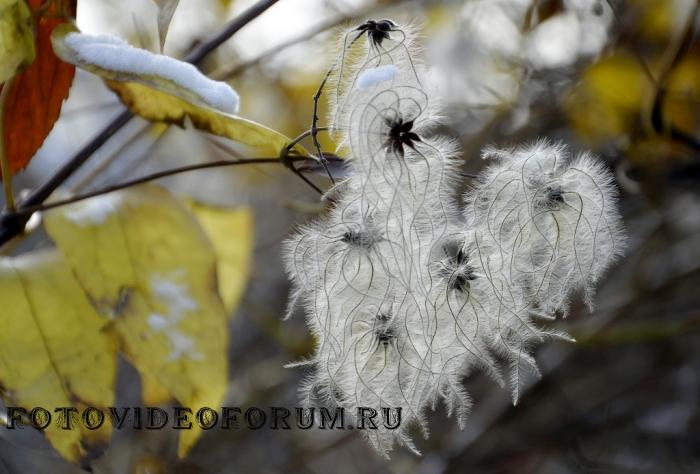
point(288, 160)
point(4, 159)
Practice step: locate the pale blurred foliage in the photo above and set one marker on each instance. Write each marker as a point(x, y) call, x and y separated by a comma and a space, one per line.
point(624, 398)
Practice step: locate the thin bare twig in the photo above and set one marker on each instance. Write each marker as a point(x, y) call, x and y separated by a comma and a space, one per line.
point(634, 49)
point(196, 56)
point(27, 211)
point(315, 128)
point(307, 133)
point(225, 74)
point(102, 166)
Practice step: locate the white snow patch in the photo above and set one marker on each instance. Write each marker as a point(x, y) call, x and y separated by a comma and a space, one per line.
point(177, 299)
point(176, 296)
point(158, 322)
point(183, 346)
point(115, 54)
point(94, 211)
point(376, 75)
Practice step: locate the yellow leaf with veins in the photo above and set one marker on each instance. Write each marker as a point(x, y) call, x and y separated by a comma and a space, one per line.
point(54, 351)
point(146, 262)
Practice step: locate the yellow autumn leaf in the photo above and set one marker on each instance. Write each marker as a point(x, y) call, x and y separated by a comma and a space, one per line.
point(54, 351)
point(608, 101)
point(655, 20)
point(153, 394)
point(230, 231)
point(231, 234)
point(682, 95)
point(145, 261)
point(16, 37)
point(161, 99)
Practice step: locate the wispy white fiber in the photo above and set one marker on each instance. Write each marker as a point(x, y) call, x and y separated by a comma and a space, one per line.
point(406, 292)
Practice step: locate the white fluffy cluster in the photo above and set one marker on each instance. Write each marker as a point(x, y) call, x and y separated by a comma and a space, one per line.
point(406, 293)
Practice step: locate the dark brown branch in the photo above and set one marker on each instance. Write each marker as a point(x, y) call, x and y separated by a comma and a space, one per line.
point(677, 51)
point(196, 56)
point(12, 225)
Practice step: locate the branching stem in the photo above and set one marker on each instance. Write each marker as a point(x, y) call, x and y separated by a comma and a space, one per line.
point(315, 129)
point(306, 134)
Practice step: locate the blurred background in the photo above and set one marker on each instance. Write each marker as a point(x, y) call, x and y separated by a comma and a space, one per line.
point(619, 77)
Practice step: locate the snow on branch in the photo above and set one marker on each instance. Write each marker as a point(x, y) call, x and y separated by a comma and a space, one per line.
point(114, 54)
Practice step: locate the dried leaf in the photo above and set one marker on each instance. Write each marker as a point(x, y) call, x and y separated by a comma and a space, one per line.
point(37, 94)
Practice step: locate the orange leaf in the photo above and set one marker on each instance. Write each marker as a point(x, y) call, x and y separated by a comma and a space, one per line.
point(37, 93)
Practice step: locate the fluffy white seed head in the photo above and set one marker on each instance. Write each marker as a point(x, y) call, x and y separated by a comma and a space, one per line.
point(406, 294)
